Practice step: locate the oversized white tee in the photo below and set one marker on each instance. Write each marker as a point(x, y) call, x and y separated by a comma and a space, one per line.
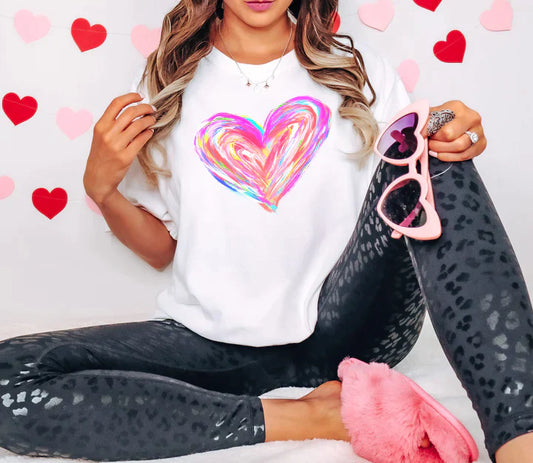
point(263, 199)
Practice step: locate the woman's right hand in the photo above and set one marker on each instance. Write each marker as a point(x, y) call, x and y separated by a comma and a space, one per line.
point(116, 142)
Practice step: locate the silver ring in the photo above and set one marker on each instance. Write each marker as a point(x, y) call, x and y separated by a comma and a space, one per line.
point(474, 137)
point(437, 119)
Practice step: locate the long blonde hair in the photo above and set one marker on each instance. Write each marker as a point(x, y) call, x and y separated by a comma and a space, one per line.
point(185, 40)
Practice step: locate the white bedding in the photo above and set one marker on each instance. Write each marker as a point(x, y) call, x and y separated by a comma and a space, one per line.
point(426, 364)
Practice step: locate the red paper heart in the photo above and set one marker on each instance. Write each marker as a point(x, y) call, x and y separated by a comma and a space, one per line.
point(451, 50)
point(49, 204)
point(86, 36)
point(336, 22)
point(19, 110)
point(428, 4)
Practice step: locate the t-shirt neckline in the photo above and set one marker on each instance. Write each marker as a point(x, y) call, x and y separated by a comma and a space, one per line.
point(288, 61)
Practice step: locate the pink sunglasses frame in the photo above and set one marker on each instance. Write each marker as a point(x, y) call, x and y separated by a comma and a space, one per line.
point(432, 228)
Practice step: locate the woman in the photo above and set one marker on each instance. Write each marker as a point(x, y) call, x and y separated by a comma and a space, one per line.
point(271, 284)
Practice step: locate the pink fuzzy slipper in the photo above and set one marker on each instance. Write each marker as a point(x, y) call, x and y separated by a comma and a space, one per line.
point(387, 415)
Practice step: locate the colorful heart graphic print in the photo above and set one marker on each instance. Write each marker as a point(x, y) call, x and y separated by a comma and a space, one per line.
point(264, 163)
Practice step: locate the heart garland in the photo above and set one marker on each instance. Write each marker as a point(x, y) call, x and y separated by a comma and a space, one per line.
point(48, 203)
point(71, 123)
point(32, 27)
point(379, 15)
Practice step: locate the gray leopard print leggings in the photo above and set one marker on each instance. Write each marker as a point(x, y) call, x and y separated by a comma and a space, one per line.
point(154, 389)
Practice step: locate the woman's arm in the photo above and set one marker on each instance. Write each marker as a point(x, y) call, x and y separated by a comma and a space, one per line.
point(118, 137)
point(139, 230)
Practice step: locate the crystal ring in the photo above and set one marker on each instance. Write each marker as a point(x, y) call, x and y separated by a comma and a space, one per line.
point(474, 138)
point(437, 119)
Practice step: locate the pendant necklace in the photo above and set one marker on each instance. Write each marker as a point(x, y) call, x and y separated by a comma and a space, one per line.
point(248, 81)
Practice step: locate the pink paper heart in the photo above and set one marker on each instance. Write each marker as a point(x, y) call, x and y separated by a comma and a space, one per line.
point(377, 15)
point(409, 72)
point(31, 27)
point(72, 123)
point(145, 40)
point(264, 163)
point(7, 186)
point(92, 205)
point(499, 17)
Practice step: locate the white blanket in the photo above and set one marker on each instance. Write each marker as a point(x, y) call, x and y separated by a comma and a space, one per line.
point(426, 364)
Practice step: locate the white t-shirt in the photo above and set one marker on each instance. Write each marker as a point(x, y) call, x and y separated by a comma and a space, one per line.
point(262, 200)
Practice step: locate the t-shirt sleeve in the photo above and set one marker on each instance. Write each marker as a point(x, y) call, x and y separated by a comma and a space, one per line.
point(135, 187)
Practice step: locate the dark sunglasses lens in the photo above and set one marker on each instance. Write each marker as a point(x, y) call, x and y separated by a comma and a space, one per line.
point(399, 140)
point(402, 205)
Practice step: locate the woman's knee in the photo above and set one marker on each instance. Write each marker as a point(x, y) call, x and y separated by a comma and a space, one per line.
point(27, 362)
point(21, 361)
point(17, 354)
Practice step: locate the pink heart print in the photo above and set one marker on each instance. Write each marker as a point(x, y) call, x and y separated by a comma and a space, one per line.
point(264, 163)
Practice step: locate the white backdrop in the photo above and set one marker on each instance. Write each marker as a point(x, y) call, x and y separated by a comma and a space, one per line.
point(67, 271)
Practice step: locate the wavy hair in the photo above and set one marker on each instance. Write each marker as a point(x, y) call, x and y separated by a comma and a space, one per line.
point(185, 40)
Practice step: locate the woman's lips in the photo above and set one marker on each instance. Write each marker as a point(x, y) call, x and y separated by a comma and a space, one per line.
point(259, 6)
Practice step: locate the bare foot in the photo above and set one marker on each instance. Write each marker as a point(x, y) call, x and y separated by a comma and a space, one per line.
point(315, 415)
point(326, 403)
point(517, 450)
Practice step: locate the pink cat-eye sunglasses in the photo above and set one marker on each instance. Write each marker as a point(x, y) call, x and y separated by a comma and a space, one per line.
point(407, 204)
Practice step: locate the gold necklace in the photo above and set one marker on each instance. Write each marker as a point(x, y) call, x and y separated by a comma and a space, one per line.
point(248, 81)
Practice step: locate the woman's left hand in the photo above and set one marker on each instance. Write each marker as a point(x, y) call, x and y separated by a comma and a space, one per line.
point(450, 142)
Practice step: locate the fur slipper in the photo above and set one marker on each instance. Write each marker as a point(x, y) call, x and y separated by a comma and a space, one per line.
point(387, 415)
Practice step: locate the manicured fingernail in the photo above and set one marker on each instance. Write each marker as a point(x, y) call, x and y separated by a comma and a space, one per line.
point(434, 154)
point(155, 109)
